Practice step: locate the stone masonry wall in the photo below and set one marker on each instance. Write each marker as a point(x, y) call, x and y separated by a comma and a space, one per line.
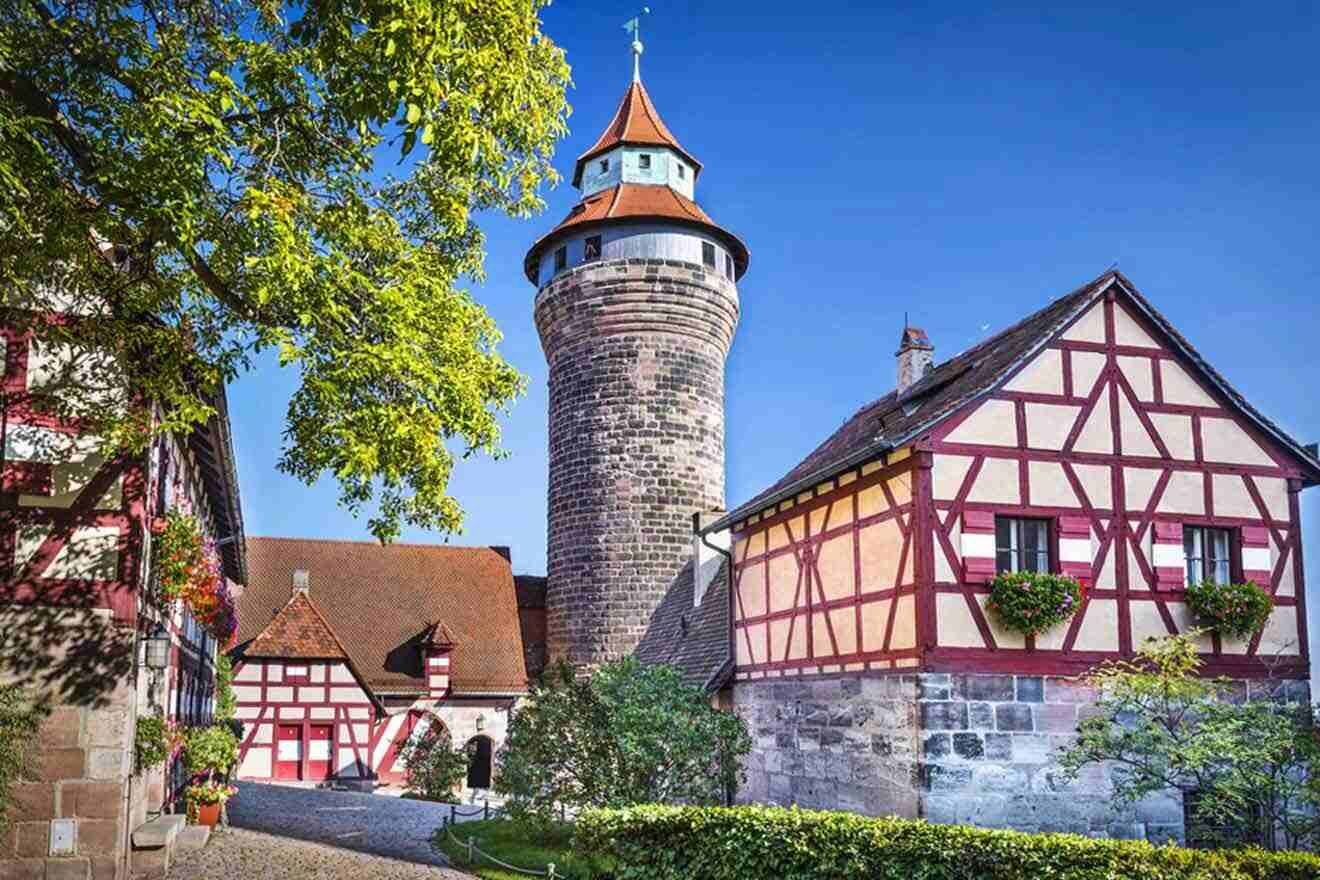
point(832, 743)
point(950, 748)
point(636, 350)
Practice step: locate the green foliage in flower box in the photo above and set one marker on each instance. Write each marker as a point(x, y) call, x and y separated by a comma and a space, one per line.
point(769, 843)
point(1238, 610)
point(1032, 602)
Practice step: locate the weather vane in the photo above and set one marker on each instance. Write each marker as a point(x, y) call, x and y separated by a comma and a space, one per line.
point(634, 27)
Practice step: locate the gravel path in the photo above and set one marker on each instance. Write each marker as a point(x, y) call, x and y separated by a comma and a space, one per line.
point(366, 823)
point(248, 854)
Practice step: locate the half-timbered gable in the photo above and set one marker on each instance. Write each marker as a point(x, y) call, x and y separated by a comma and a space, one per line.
point(346, 649)
point(1088, 439)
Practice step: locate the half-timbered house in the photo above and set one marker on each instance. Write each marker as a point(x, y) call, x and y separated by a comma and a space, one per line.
point(1090, 439)
point(75, 572)
point(348, 648)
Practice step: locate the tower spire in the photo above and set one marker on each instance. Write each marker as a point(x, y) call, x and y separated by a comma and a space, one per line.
point(634, 27)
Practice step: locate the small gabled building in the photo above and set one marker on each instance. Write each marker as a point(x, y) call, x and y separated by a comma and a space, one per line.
point(347, 648)
point(1089, 439)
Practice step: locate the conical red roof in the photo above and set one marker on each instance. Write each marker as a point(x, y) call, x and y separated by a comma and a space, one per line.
point(635, 122)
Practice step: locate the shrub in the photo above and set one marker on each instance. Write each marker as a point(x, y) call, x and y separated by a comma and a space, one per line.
point(20, 723)
point(1032, 602)
point(768, 843)
point(1238, 610)
point(434, 766)
point(627, 734)
point(153, 741)
point(226, 703)
point(209, 750)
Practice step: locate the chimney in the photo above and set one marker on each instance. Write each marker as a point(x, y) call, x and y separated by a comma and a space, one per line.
point(301, 580)
point(705, 559)
point(915, 357)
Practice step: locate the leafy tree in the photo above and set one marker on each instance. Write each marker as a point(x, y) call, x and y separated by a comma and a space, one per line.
point(1250, 767)
point(626, 734)
point(434, 766)
point(199, 181)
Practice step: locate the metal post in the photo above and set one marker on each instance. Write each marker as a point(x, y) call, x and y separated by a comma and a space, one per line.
point(486, 811)
point(451, 814)
point(471, 845)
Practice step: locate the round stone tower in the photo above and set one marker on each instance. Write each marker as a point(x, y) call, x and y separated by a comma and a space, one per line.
point(636, 308)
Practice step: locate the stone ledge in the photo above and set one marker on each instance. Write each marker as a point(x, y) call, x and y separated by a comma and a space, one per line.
point(158, 832)
point(193, 837)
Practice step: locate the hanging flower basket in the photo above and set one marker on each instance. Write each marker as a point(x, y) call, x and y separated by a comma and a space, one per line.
point(1237, 610)
point(186, 566)
point(1033, 602)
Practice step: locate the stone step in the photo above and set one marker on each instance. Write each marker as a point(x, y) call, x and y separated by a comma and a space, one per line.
point(192, 837)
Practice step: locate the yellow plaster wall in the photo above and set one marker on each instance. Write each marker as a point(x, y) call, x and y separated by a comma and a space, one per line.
point(1049, 486)
point(1086, 367)
point(1176, 432)
point(947, 475)
point(1223, 440)
point(993, 423)
point(997, 482)
point(1048, 424)
point(1090, 327)
point(1043, 375)
point(834, 563)
point(954, 625)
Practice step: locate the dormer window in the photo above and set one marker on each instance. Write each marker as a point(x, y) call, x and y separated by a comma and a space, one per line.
point(682, 171)
point(591, 248)
point(604, 165)
point(561, 258)
point(708, 254)
point(644, 161)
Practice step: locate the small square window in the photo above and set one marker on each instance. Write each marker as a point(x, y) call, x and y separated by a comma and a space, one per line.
point(295, 672)
point(591, 248)
point(708, 254)
point(728, 267)
point(561, 258)
point(604, 165)
point(1208, 553)
point(682, 171)
point(1022, 544)
point(644, 161)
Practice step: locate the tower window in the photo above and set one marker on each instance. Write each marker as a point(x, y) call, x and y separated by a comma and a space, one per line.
point(728, 267)
point(644, 161)
point(561, 258)
point(604, 165)
point(591, 248)
point(708, 254)
point(682, 171)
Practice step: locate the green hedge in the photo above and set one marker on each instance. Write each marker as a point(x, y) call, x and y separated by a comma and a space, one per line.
point(769, 843)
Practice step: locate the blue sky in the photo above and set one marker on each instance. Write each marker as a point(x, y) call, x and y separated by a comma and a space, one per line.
point(965, 164)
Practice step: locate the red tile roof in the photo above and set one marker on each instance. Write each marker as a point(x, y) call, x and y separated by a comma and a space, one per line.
point(383, 604)
point(636, 201)
point(300, 631)
point(635, 122)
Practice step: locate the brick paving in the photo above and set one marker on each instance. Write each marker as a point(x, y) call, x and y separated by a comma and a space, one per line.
point(239, 853)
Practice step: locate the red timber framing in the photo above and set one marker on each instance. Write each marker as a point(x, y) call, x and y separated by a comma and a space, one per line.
point(1105, 429)
point(320, 709)
point(825, 584)
point(1160, 476)
point(48, 573)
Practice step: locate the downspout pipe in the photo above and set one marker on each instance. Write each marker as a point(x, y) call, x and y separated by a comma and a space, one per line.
point(728, 559)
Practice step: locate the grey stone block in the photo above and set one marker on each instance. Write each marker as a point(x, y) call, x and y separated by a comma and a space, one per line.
point(944, 716)
point(1013, 717)
point(936, 745)
point(981, 716)
point(1030, 689)
point(990, 688)
point(968, 746)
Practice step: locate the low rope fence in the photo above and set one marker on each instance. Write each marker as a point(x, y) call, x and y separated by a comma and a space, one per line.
point(473, 851)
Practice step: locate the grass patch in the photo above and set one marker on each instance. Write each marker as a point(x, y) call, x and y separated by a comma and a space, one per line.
point(517, 844)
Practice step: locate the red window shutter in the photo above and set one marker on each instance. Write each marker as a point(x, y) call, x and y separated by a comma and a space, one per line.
point(1167, 555)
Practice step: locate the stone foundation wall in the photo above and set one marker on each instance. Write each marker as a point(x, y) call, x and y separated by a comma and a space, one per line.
point(833, 743)
point(950, 748)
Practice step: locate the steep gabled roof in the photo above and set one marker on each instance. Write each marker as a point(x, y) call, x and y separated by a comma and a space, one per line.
point(297, 631)
point(895, 420)
point(635, 122)
point(695, 639)
point(383, 604)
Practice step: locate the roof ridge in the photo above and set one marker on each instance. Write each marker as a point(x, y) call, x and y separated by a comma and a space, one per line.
point(614, 201)
point(370, 542)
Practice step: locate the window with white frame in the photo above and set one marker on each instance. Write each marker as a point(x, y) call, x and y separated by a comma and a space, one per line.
point(1209, 554)
point(1022, 544)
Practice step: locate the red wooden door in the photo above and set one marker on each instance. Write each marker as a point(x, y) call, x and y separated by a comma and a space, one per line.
point(288, 751)
point(320, 748)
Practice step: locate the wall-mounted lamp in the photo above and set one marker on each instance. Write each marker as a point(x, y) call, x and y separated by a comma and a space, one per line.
point(157, 654)
point(481, 722)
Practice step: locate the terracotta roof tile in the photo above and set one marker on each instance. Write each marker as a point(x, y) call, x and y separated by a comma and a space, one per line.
point(636, 201)
point(635, 122)
point(382, 603)
point(298, 630)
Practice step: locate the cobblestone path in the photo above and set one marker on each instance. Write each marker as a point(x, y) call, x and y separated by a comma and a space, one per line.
point(374, 824)
point(238, 853)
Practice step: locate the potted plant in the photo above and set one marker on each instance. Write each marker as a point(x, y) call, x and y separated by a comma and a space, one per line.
point(1237, 610)
point(204, 800)
point(1032, 602)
